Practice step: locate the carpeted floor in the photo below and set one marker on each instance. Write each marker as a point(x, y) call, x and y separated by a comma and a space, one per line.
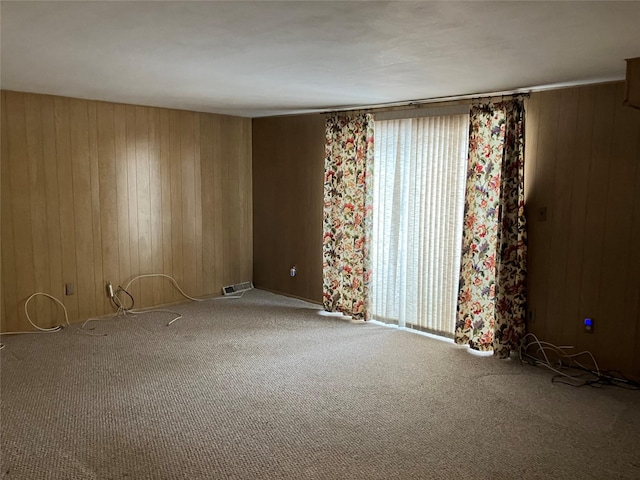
point(266, 387)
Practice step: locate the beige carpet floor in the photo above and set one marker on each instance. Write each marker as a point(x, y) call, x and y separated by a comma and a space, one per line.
point(266, 387)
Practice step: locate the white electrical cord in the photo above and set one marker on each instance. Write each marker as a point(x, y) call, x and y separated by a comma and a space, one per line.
point(175, 284)
point(178, 316)
point(52, 329)
point(122, 310)
point(539, 357)
point(38, 328)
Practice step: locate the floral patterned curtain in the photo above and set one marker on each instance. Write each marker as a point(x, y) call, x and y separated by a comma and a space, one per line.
point(492, 294)
point(347, 213)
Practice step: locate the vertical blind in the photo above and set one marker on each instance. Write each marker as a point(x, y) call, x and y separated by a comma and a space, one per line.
point(418, 203)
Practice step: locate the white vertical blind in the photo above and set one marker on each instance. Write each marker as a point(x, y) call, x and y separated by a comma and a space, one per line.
point(418, 202)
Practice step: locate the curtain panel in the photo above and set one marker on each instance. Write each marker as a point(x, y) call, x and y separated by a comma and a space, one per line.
point(492, 293)
point(347, 214)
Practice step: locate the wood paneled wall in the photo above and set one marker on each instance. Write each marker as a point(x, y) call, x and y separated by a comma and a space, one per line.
point(95, 192)
point(288, 176)
point(583, 165)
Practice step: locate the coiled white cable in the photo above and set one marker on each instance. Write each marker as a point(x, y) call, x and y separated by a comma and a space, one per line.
point(37, 327)
point(52, 329)
point(42, 329)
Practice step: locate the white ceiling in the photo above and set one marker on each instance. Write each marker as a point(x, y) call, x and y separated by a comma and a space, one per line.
point(266, 58)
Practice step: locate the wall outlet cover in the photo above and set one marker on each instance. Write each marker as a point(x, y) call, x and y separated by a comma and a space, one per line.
point(542, 214)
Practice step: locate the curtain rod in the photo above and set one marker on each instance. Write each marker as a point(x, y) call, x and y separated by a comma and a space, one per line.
point(406, 104)
point(428, 101)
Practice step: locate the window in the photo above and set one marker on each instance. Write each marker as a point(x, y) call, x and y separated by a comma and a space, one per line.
point(418, 204)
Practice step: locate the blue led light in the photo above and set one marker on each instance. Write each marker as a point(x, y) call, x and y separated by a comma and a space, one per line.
point(588, 322)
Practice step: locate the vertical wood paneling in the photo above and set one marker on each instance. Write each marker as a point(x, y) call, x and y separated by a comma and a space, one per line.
point(122, 195)
point(143, 194)
point(82, 213)
point(107, 197)
point(3, 154)
point(20, 201)
point(65, 192)
point(207, 188)
point(579, 174)
point(52, 189)
point(288, 173)
point(9, 289)
point(632, 297)
point(618, 243)
point(188, 200)
point(561, 199)
point(246, 203)
point(228, 217)
point(197, 145)
point(582, 259)
point(165, 173)
point(41, 308)
point(544, 174)
point(155, 193)
point(96, 226)
point(132, 188)
point(233, 219)
point(592, 292)
point(218, 199)
point(95, 192)
point(176, 200)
